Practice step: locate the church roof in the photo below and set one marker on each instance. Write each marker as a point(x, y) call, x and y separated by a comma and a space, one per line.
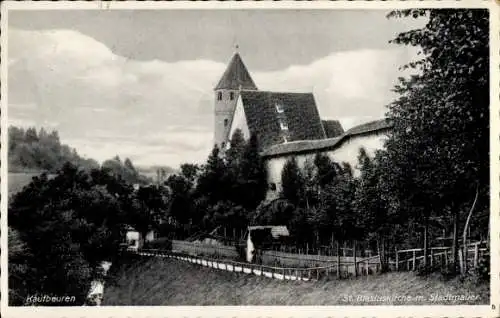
point(236, 76)
point(333, 128)
point(275, 116)
point(312, 146)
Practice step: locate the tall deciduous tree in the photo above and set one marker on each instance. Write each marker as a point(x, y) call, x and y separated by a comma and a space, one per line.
point(440, 139)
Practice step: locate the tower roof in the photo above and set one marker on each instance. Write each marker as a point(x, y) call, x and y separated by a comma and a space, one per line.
point(236, 76)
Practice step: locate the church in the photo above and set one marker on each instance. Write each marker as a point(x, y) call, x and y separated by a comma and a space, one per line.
point(286, 125)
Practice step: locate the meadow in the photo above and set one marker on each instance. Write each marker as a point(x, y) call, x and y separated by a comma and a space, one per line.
point(18, 180)
point(169, 282)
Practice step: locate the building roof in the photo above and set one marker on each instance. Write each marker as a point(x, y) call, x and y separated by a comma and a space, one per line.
point(276, 230)
point(297, 111)
point(305, 146)
point(236, 76)
point(369, 127)
point(333, 128)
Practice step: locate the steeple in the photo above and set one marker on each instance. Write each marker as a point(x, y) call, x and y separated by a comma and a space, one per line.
point(236, 75)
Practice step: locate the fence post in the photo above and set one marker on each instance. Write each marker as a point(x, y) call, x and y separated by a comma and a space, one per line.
point(432, 257)
point(338, 260)
point(461, 259)
point(397, 260)
point(414, 260)
point(354, 258)
point(476, 254)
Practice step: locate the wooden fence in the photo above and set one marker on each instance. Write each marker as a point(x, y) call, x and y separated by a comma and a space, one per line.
point(196, 248)
point(403, 260)
point(411, 259)
point(277, 272)
point(346, 266)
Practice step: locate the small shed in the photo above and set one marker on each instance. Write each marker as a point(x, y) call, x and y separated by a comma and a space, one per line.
point(259, 236)
point(134, 239)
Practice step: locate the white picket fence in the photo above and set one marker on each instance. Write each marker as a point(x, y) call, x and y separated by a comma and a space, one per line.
point(281, 273)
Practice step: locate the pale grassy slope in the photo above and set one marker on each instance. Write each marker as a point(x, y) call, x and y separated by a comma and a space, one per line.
point(18, 180)
point(173, 282)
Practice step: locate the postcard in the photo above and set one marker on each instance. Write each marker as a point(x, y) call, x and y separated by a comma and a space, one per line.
point(250, 159)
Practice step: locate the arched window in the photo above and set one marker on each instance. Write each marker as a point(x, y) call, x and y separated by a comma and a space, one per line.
point(219, 95)
point(226, 122)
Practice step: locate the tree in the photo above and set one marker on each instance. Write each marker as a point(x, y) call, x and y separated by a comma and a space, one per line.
point(233, 157)
point(18, 269)
point(213, 181)
point(69, 224)
point(292, 182)
point(371, 206)
point(124, 170)
point(440, 139)
point(252, 177)
point(181, 205)
point(149, 205)
point(190, 172)
point(234, 154)
point(326, 169)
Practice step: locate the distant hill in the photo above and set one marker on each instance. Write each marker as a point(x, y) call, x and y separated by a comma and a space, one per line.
point(152, 171)
point(32, 151)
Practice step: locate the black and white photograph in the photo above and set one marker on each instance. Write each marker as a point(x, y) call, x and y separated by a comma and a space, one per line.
point(238, 155)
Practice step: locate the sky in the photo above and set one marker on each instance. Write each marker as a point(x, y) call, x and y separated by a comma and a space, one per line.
point(139, 84)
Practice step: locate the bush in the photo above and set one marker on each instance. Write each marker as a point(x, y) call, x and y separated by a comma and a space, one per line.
point(483, 268)
point(479, 274)
point(449, 271)
point(162, 243)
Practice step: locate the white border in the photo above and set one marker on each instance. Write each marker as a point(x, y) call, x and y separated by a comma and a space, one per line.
point(261, 311)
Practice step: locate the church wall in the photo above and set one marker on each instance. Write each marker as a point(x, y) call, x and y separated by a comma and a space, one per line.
point(239, 121)
point(347, 152)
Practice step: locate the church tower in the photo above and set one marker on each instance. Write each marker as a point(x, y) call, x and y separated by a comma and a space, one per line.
point(234, 79)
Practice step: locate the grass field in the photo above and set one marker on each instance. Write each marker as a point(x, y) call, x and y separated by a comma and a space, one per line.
point(17, 180)
point(172, 282)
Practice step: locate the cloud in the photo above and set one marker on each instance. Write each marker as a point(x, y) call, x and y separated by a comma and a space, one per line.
point(353, 86)
point(162, 113)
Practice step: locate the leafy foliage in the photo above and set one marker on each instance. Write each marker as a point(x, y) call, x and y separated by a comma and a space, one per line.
point(439, 148)
point(69, 224)
point(124, 170)
point(62, 228)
